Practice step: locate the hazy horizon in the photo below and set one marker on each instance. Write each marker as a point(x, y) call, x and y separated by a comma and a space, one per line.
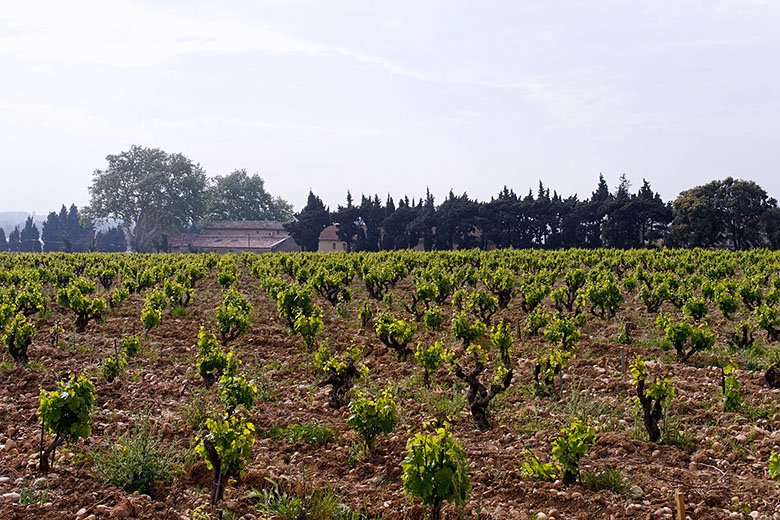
point(391, 97)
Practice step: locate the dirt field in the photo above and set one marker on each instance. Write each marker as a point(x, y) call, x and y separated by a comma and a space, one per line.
point(719, 462)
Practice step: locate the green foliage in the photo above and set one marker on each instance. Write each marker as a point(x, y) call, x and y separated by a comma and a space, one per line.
point(774, 466)
point(65, 412)
point(29, 299)
point(429, 357)
point(130, 345)
point(732, 399)
point(75, 297)
point(366, 314)
point(687, 339)
point(150, 191)
point(307, 327)
point(233, 316)
point(211, 361)
point(226, 448)
point(290, 302)
point(537, 320)
point(433, 318)
point(562, 331)
point(151, 317)
point(483, 304)
point(137, 461)
point(696, 309)
point(17, 337)
point(610, 479)
point(768, 319)
point(395, 334)
point(435, 470)
point(571, 446)
point(371, 417)
point(119, 295)
point(604, 296)
point(652, 399)
point(179, 294)
point(462, 329)
point(227, 271)
point(532, 467)
point(235, 390)
point(113, 367)
point(309, 433)
point(727, 301)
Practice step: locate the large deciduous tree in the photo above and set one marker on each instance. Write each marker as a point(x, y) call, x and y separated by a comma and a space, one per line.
point(719, 213)
point(309, 223)
point(239, 196)
point(150, 192)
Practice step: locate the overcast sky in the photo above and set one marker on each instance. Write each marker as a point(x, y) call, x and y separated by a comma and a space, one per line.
point(392, 96)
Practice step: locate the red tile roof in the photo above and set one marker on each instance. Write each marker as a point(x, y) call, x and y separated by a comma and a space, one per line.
point(249, 225)
point(226, 241)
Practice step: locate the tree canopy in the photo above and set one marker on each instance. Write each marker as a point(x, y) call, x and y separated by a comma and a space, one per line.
point(309, 223)
point(721, 212)
point(239, 196)
point(150, 192)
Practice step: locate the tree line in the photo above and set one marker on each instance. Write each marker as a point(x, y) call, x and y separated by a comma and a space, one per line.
point(151, 194)
point(63, 232)
point(728, 213)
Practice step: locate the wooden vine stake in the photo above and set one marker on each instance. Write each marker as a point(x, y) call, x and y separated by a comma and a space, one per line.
point(679, 498)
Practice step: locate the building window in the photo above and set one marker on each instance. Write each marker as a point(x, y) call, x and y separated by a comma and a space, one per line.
point(334, 245)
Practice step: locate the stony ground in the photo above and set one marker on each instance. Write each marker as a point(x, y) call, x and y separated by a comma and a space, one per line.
point(719, 464)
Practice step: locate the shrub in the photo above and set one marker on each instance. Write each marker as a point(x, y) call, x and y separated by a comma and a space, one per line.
point(433, 318)
point(537, 320)
point(151, 317)
point(604, 296)
point(696, 309)
point(395, 334)
point(435, 470)
point(484, 305)
point(226, 448)
point(65, 412)
point(366, 314)
point(17, 337)
point(130, 345)
point(774, 466)
point(340, 373)
point(481, 393)
point(563, 331)
point(307, 327)
point(137, 461)
point(211, 361)
point(86, 309)
point(652, 400)
point(235, 390)
point(112, 367)
point(732, 399)
point(371, 417)
point(541, 471)
point(429, 357)
point(233, 316)
point(571, 446)
point(119, 295)
point(464, 330)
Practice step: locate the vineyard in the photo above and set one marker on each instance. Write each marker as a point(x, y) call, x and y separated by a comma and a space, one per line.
point(572, 384)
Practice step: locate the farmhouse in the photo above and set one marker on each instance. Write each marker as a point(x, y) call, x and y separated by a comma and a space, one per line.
point(252, 236)
point(330, 241)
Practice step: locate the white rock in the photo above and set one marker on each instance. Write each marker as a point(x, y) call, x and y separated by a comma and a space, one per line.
point(11, 497)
